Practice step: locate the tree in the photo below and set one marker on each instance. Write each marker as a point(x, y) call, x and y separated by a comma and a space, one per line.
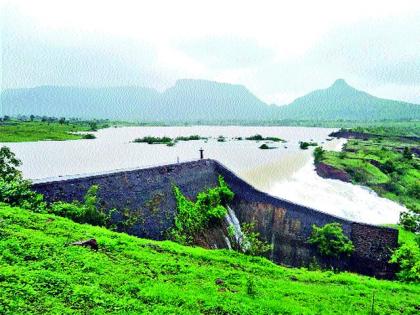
point(62, 121)
point(9, 164)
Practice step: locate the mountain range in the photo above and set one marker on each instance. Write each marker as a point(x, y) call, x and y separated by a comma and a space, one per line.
point(195, 100)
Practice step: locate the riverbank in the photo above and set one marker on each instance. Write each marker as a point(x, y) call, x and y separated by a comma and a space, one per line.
point(28, 131)
point(389, 164)
point(52, 129)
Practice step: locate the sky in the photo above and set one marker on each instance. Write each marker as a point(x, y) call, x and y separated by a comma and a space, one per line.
point(279, 50)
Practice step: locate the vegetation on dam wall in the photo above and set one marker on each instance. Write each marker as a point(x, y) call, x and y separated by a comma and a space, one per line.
point(193, 217)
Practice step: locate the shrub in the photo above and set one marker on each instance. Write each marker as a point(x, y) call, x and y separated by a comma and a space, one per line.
point(407, 153)
point(318, 154)
point(193, 217)
point(189, 138)
point(153, 140)
point(251, 243)
point(15, 190)
point(388, 167)
point(258, 137)
point(93, 126)
point(18, 192)
point(89, 136)
point(330, 240)
point(410, 221)
point(264, 147)
point(86, 212)
point(408, 259)
point(305, 145)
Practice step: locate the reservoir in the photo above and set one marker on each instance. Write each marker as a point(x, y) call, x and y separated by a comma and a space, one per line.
point(285, 171)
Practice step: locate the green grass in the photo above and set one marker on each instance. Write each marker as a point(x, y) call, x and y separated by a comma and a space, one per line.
point(380, 164)
point(17, 131)
point(40, 273)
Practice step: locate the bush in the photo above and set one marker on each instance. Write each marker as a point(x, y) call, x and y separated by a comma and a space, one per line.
point(193, 217)
point(93, 126)
point(189, 138)
point(250, 242)
point(258, 137)
point(407, 153)
point(264, 147)
point(305, 145)
point(86, 212)
point(153, 140)
point(18, 192)
point(410, 221)
point(15, 190)
point(89, 136)
point(408, 259)
point(318, 154)
point(330, 240)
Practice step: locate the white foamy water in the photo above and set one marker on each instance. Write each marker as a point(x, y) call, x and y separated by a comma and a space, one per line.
point(285, 172)
point(336, 197)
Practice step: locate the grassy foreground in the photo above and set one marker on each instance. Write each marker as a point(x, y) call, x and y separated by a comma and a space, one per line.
point(40, 273)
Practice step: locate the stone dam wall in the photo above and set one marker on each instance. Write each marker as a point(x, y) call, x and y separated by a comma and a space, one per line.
point(145, 195)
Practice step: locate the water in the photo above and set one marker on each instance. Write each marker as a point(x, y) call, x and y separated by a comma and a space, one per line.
point(286, 171)
point(233, 221)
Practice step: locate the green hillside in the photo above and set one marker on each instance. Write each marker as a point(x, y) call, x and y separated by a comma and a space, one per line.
point(41, 273)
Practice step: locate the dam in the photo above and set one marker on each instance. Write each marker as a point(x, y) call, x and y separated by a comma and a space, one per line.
point(146, 196)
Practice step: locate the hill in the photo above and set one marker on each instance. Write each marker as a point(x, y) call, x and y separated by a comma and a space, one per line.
point(201, 100)
point(341, 101)
point(40, 273)
point(187, 100)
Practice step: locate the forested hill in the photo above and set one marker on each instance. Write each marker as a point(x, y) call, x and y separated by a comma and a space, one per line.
point(195, 100)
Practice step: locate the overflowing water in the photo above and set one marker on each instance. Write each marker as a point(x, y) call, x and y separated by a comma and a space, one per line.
point(285, 171)
point(233, 222)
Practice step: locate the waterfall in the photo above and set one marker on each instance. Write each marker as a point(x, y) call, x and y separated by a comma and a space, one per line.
point(232, 221)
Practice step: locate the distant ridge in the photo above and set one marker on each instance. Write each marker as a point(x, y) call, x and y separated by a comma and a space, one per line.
point(195, 100)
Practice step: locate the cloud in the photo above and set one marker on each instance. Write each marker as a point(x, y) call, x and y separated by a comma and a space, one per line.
point(386, 51)
point(279, 50)
point(227, 52)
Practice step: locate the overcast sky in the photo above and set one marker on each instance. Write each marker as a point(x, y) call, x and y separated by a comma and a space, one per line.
point(279, 50)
